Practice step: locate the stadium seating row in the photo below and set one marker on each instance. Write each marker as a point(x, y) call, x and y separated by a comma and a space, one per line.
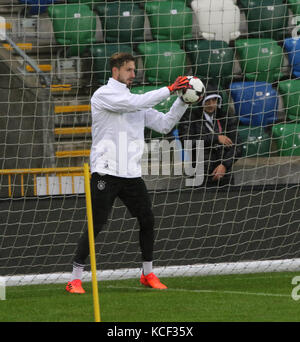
point(257, 142)
point(259, 59)
point(173, 20)
point(256, 106)
point(255, 101)
point(78, 33)
point(75, 26)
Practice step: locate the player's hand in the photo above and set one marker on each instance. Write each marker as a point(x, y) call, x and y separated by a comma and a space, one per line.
point(181, 82)
point(219, 172)
point(224, 140)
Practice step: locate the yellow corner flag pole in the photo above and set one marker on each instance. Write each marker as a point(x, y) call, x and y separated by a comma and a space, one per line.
point(91, 242)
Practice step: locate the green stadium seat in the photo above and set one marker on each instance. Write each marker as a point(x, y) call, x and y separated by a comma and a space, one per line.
point(260, 59)
point(91, 3)
point(122, 22)
point(163, 61)
point(163, 106)
point(100, 59)
point(211, 59)
point(266, 18)
point(74, 27)
point(255, 141)
point(287, 138)
point(186, 2)
point(169, 20)
point(88, 2)
point(290, 92)
point(294, 6)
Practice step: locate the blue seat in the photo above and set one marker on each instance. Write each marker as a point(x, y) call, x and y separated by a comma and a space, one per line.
point(255, 103)
point(292, 47)
point(37, 7)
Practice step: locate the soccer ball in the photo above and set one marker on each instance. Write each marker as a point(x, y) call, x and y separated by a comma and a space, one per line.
point(195, 92)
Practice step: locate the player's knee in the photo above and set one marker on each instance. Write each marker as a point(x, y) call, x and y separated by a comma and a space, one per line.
point(146, 220)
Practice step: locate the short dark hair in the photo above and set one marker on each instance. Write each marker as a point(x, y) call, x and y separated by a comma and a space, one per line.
point(119, 58)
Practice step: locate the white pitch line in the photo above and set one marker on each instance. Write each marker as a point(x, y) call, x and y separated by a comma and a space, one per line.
point(207, 291)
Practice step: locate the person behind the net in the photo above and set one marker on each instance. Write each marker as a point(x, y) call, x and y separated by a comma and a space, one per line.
point(222, 145)
point(119, 119)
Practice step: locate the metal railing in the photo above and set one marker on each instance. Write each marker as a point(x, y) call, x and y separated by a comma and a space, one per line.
point(59, 172)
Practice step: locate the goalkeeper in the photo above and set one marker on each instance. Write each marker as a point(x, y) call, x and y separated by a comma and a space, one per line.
point(118, 122)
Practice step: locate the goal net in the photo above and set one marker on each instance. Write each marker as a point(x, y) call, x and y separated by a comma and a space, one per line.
point(55, 53)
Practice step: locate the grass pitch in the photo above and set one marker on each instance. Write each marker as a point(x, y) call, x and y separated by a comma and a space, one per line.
point(263, 297)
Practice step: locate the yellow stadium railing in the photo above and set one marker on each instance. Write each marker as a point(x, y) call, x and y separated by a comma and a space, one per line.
point(59, 172)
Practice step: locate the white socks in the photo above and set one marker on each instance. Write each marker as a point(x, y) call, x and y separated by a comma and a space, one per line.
point(77, 271)
point(147, 267)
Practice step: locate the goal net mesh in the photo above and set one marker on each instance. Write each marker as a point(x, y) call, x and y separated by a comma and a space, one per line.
point(55, 53)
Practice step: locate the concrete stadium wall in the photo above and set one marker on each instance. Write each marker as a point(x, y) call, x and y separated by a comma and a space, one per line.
point(26, 126)
point(39, 235)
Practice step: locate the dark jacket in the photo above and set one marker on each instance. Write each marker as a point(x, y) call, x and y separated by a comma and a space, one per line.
point(194, 126)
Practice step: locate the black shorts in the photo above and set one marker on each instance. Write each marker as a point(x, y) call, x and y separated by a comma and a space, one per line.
point(132, 192)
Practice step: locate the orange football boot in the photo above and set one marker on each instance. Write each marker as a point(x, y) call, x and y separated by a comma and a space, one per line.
point(151, 280)
point(75, 286)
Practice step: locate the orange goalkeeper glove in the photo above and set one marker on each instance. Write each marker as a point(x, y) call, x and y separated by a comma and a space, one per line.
point(181, 82)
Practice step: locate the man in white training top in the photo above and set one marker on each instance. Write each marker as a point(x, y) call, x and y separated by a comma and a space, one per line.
point(118, 122)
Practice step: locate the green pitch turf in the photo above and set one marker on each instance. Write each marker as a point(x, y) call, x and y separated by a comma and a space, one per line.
point(263, 297)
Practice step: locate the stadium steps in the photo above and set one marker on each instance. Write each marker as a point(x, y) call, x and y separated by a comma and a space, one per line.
point(67, 131)
point(9, 7)
point(72, 131)
point(73, 113)
point(68, 83)
point(42, 47)
point(73, 153)
point(35, 36)
point(72, 108)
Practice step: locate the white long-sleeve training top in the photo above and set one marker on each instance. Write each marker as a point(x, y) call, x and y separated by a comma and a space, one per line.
point(118, 121)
